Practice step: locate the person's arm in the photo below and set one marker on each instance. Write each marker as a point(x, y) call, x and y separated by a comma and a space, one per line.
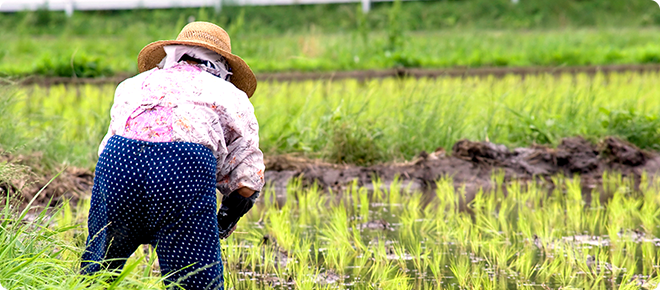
point(232, 209)
point(243, 169)
point(241, 176)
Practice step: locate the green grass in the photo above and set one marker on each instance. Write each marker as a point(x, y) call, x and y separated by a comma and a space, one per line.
point(371, 121)
point(50, 121)
point(98, 55)
point(431, 34)
point(522, 240)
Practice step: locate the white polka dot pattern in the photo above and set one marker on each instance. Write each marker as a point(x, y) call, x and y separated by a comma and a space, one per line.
point(161, 194)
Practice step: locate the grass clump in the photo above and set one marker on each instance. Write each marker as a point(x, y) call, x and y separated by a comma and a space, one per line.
point(640, 129)
point(79, 65)
point(42, 247)
point(354, 143)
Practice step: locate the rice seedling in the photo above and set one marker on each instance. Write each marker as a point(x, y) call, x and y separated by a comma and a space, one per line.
point(436, 263)
point(233, 251)
point(460, 267)
point(279, 226)
point(524, 265)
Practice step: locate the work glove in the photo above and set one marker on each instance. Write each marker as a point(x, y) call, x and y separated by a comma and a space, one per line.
point(233, 207)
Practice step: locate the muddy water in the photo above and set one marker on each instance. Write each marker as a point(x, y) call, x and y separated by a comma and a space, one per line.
point(425, 280)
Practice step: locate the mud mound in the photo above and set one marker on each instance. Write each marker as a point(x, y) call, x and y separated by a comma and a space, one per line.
point(473, 163)
point(480, 152)
point(619, 152)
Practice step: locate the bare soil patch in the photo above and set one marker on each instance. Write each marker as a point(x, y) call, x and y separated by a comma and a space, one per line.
point(470, 164)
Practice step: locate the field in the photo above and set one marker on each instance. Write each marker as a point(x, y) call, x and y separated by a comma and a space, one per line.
point(316, 51)
point(515, 181)
point(532, 237)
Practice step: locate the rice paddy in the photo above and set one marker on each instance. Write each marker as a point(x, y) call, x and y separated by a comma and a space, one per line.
point(517, 236)
point(392, 239)
point(550, 233)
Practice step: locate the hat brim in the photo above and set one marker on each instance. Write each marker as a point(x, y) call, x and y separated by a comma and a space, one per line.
point(242, 76)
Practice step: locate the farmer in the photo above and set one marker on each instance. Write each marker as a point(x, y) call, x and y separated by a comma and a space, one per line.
point(180, 129)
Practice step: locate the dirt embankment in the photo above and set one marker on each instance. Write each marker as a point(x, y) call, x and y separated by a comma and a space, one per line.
point(470, 163)
point(23, 176)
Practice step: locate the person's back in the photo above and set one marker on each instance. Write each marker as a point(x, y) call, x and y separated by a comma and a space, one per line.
point(179, 130)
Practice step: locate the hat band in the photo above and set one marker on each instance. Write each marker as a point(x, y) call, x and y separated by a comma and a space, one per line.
point(206, 37)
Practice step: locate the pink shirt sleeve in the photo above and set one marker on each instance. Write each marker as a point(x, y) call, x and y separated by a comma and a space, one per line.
point(244, 165)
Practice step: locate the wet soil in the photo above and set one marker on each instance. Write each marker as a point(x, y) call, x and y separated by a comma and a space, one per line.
point(470, 164)
point(384, 73)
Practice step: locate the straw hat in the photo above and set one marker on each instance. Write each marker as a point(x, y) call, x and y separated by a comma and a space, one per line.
point(206, 35)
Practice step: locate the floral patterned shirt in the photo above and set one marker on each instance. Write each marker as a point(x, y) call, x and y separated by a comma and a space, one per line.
point(186, 103)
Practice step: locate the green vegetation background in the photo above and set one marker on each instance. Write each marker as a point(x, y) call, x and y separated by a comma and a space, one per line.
point(373, 121)
point(429, 34)
point(365, 123)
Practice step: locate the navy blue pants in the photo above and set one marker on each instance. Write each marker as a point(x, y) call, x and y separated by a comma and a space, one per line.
point(161, 194)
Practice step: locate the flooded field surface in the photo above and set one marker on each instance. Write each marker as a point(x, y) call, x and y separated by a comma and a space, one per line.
point(391, 239)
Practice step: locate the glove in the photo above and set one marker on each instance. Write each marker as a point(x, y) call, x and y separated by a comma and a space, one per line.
point(233, 207)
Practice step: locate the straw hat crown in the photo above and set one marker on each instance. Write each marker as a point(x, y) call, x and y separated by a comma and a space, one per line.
point(206, 35)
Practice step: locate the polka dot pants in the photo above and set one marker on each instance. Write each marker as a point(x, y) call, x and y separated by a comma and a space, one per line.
point(161, 194)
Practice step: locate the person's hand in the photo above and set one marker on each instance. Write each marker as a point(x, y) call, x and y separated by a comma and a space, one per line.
point(245, 192)
point(226, 234)
point(233, 207)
